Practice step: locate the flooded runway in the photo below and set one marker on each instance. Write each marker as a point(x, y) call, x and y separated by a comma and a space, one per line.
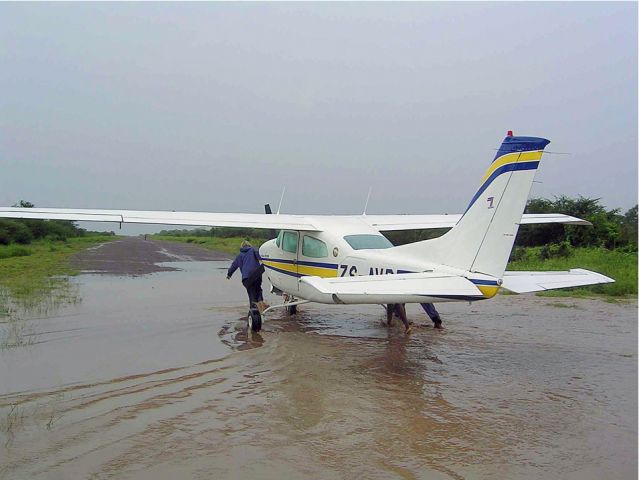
point(154, 376)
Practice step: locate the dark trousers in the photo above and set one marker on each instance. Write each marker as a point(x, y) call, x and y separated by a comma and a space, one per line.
point(430, 310)
point(254, 291)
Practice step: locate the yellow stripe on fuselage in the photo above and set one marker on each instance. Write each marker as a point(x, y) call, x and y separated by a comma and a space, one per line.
point(323, 272)
point(317, 271)
point(516, 157)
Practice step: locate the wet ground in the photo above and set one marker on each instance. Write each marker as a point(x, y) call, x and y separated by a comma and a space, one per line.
point(154, 376)
point(137, 256)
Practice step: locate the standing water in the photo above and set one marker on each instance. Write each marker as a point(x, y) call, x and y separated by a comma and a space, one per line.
point(155, 376)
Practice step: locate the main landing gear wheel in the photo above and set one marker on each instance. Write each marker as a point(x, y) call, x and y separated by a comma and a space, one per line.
point(254, 320)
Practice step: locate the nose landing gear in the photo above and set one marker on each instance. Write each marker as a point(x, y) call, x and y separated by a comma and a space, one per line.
point(254, 320)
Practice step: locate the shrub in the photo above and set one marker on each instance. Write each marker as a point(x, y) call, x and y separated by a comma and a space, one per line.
point(518, 254)
point(610, 229)
point(14, 251)
point(19, 232)
point(554, 250)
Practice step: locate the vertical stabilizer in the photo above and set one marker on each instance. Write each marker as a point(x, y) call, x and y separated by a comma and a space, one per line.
point(483, 238)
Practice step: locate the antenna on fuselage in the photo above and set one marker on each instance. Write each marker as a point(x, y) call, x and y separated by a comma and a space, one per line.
point(281, 199)
point(367, 199)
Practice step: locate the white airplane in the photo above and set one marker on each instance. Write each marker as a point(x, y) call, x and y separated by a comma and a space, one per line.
point(344, 259)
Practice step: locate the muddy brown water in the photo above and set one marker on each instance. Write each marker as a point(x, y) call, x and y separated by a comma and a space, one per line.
point(154, 376)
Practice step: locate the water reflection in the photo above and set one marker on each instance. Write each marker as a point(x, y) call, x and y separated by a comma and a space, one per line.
point(237, 336)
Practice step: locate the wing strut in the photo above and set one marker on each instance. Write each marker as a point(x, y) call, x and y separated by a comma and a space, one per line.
point(289, 304)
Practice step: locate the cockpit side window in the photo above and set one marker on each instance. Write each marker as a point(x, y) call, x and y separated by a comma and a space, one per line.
point(278, 240)
point(367, 241)
point(314, 248)
point(289, 242)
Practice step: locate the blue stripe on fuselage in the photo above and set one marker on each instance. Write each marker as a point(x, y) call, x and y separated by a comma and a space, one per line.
point(303, 262)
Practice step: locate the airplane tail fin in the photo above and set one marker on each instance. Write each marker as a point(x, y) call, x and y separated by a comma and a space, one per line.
point(483, 238)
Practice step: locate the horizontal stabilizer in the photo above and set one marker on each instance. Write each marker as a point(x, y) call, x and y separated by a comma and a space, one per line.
point(526, 282)
point(399, 288)
point(537, 218)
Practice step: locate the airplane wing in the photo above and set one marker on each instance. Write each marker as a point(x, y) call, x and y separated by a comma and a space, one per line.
point(399, 288)
point(198, 219)
point(257, 220)
point(386, 223)
point(526, 282)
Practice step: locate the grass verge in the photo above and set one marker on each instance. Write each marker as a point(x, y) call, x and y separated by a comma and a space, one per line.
point(27, 269)
point(618, 265)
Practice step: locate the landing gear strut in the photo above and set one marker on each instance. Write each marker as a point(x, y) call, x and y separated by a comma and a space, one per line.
point(290, 309)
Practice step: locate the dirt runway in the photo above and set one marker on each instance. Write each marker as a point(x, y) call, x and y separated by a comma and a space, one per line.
point(136, 256)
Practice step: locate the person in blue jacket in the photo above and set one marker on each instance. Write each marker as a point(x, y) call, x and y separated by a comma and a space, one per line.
point(250, 264)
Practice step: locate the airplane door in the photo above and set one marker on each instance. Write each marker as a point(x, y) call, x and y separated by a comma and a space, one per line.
point(287, 265)
point(313, 257)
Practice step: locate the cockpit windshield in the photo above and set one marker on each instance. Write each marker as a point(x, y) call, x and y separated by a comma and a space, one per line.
point(367, 241)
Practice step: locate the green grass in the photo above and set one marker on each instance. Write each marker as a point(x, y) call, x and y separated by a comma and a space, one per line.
point(230, 245)
point(8, 251)
point(27, 269)
point(618, 265)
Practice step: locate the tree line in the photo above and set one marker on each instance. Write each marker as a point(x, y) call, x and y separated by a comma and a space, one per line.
point(222, 232)
point(24, 231)
point(610, 229)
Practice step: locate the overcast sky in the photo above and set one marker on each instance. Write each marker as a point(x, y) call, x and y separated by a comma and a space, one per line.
point(217, 106)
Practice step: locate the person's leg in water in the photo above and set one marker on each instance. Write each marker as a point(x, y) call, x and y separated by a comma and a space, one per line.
point(252, 294)
point(390, 309)
point(432, 312)
point(258, 290)
point(259, 296)
point(400, 310)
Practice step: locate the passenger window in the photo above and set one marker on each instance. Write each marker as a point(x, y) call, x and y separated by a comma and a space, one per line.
point(314, 248)
point(289, 242)
point(278, 240)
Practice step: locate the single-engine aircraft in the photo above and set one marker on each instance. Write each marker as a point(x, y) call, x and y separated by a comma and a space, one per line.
point(344, 259)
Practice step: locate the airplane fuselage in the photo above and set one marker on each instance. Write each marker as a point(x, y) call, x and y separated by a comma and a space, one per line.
point(347, 247)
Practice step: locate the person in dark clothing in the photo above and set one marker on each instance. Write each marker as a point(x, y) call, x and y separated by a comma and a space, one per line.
point(432, 312)
point(400, 310)
point(249, 263)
